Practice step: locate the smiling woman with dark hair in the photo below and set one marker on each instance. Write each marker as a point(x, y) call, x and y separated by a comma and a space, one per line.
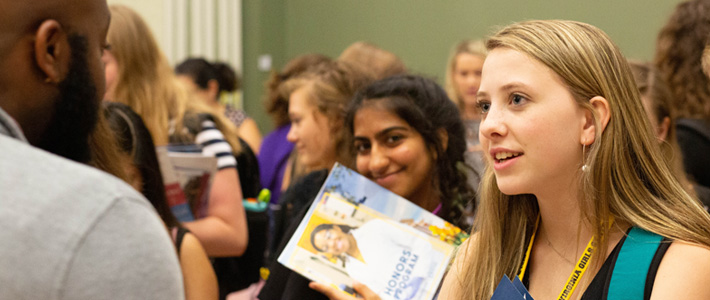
point(334, 239)
point(408, 137)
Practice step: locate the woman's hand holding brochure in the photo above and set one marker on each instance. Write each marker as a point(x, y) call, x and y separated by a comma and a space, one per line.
point(335, 294)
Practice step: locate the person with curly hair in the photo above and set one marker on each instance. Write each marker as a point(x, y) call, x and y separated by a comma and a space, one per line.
point(679, 52)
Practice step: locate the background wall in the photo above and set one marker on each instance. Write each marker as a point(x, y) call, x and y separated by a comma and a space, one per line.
point(152, 12)
point(421, 32)
point(195, 28)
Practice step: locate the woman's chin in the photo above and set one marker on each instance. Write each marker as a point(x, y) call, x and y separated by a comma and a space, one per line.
point(510, 190)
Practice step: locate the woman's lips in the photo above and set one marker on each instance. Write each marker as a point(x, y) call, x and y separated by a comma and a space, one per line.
point(386, 180)
point(502, 164)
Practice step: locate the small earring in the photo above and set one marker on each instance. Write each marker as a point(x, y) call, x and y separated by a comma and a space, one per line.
point(585, 168)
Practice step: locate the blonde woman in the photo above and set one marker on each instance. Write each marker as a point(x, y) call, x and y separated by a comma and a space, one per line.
point(317, 102)
point(138, 75)
point(574, 169)
point(463, 77)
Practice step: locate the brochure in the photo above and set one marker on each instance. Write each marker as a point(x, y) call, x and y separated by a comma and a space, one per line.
point(511, 290)
point(187, 177)
point(357, 230)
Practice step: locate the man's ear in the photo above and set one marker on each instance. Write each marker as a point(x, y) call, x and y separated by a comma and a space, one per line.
point(52, 50)
point(600, 107)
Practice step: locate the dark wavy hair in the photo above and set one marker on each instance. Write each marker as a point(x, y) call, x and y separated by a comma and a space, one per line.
point(326, 226)
point(679, 51)
point(135, 140)
point(425, 106)
point(201, 71)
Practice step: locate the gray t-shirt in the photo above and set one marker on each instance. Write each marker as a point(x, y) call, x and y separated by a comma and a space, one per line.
point(68, 231)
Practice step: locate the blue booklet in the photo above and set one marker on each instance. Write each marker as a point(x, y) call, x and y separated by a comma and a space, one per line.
point(511, 290)
point(358, 230)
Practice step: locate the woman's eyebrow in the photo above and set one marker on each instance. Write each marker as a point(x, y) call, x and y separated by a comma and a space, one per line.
point(386, 131)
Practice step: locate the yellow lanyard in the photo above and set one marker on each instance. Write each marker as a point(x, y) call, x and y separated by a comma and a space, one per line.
point(576, 275)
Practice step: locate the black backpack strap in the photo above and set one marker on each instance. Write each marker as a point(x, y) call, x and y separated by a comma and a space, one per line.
point(179, 235)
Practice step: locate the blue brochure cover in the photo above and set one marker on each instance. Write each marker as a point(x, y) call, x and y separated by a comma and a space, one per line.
point(508, 290)
point(396, 248)
point(521, 288)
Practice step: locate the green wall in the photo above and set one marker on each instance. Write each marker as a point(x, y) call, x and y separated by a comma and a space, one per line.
point(421, 32)
point(262, 33)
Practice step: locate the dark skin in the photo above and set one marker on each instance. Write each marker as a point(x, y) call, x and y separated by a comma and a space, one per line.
point(35, 54)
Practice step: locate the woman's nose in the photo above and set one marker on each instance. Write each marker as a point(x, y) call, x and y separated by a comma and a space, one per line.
point(291, 136)
point(493, 124)
point(378, 160)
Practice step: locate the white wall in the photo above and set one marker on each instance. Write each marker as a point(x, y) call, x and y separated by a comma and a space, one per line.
point(152, 12)
point(203, 28)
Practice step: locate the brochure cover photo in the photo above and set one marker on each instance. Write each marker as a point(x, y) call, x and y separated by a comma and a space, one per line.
point(187, 177)
point(357, 230)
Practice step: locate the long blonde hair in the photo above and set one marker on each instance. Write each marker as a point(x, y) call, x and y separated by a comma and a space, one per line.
point(473, 47)
point(628, 178)
point(147, 84)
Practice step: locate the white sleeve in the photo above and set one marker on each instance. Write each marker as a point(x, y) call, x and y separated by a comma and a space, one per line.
point(142, 262)
point(214, 144)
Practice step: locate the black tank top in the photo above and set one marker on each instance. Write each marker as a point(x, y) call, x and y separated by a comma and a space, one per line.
point(599, 287)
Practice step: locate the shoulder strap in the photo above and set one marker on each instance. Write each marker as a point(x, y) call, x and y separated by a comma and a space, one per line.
point(179, 235)
point(628, 279)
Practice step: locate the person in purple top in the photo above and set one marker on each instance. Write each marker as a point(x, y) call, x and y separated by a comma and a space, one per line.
point(274, 160)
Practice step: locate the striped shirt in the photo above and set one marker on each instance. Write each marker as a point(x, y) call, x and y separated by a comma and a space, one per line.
point(214, 144)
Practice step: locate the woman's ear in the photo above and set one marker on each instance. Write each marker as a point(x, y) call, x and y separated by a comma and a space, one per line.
point(213, 89)
point(663, 128)
point(600, 109)
point(444, 138)
point(52, 51)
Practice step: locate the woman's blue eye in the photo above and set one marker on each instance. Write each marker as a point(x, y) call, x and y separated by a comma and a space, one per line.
point(517, 99)
point(484, 107)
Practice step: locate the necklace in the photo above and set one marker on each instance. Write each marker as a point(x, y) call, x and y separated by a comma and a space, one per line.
point(579, 268)
point(549, 244)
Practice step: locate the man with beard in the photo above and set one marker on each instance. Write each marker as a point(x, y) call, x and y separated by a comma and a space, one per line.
point(68, 231)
